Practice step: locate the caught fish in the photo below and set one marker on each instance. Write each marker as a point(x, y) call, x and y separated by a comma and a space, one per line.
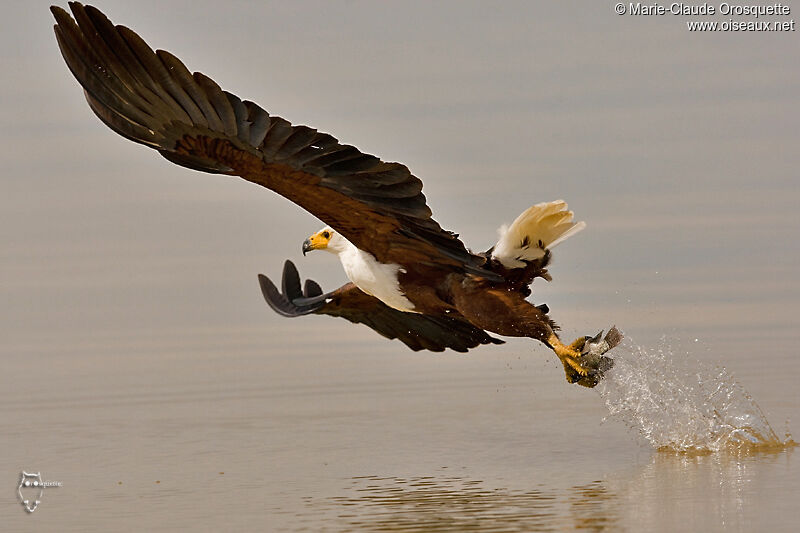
point(593, 357)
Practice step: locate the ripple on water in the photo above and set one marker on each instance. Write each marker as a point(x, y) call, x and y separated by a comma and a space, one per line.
point(682, 405)
point(448, 503)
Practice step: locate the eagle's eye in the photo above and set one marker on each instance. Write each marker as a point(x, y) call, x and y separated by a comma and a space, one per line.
point(326, 234)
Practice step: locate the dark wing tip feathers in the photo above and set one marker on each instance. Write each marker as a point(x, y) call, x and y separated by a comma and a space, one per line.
point(276, 300)
point(311, 289)
point(151, 89)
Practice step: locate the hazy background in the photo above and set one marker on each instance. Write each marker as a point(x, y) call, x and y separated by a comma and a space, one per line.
point(130, 308)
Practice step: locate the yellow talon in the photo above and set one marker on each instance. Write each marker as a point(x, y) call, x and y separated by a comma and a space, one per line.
point(578, 344)
point(569, 355)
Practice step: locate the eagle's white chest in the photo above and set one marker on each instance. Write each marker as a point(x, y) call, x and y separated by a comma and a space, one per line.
point(374, 278)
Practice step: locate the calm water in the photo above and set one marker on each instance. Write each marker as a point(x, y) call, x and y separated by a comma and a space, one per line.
point(140, 367)
point(371, 439)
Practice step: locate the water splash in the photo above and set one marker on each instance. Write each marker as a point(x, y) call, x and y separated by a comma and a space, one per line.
point(683, 405)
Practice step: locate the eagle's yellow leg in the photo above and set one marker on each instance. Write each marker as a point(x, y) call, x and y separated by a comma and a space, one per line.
point(569, 355)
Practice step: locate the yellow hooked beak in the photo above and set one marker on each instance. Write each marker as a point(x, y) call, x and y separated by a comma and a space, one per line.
point(318, 241)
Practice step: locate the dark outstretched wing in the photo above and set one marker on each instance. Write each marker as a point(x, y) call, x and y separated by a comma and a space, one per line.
point(418, 332)
point(151, 98)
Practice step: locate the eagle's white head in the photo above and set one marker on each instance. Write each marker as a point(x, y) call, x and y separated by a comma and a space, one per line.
point(326, 239)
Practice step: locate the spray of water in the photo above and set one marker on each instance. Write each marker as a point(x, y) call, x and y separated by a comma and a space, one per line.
point(679, 404)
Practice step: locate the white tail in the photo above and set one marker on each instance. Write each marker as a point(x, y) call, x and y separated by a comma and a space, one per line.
point(537, 229)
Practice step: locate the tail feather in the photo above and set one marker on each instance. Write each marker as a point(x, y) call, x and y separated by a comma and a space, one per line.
point(537, 229)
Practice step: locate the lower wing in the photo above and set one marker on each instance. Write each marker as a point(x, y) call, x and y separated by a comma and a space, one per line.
point(417, 331)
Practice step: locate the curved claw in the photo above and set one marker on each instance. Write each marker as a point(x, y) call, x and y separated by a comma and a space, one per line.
point(598, 369)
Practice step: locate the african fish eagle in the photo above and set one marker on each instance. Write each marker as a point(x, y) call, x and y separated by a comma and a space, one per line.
point(409, 278)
